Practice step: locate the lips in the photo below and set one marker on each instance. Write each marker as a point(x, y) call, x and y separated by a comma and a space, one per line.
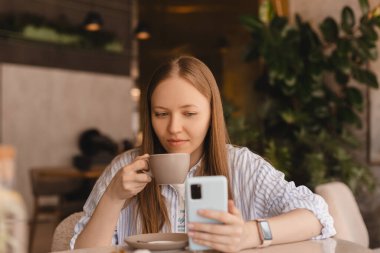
point(176, 142)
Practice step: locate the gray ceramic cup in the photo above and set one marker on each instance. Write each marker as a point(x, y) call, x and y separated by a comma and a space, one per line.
point(171, 168)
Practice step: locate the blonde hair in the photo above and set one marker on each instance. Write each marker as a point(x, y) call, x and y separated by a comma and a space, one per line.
point(152, 209)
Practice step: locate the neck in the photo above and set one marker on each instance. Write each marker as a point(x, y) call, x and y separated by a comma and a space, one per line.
point(195, 157)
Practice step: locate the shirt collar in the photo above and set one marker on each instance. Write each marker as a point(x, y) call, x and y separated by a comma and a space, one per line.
point(194, 168)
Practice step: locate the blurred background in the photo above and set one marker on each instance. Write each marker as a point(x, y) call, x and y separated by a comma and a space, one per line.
point(302, 92)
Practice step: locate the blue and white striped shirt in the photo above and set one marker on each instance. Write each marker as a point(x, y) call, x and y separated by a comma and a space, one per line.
point(259, 191)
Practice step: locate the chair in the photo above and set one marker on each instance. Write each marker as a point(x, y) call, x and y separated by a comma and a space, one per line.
point(343, 207)
point(46, 183)
point(64, 232)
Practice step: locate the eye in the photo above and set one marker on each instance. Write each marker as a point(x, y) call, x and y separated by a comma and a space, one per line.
point(190, 114)
point(160, 114)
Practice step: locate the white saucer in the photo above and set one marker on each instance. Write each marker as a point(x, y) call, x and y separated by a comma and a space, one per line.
point(158, 241)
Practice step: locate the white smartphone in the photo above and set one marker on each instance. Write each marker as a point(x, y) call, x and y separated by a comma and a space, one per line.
point(207, 192)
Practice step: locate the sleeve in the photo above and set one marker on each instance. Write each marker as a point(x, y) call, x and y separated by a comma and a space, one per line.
point(98, 191)
point(279, 196)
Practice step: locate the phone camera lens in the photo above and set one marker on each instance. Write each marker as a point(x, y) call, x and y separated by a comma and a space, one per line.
point(196, 192)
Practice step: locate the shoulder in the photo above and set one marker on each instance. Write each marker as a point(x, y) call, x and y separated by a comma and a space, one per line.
point(125, 158)
point(237, 154)
point(245, 161)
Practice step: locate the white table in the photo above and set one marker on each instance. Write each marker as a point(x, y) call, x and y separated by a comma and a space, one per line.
point(313, 246)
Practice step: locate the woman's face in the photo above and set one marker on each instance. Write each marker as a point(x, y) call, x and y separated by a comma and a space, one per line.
point(180, 117)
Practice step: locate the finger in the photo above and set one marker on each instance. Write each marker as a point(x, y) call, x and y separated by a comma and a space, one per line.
point(138, 187)
point(144, 156)
point(220, 239)
point(217, 246)
point(142, 178)
point(232, 209)
point(141, 187)
point(220, 216)
point(137, 165)
point(129, 179)
point(134, 188)
point(147, 172)
point(217, 229)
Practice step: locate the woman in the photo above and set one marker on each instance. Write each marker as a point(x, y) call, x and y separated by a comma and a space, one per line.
point(183, 113)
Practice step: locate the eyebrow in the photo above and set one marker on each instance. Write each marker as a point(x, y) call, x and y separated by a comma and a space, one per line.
point(183, 106)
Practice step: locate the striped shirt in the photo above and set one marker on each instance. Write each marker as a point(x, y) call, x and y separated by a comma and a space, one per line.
point(259, 191)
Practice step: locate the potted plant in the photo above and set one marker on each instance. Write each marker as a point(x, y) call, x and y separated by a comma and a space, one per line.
point(309, 88)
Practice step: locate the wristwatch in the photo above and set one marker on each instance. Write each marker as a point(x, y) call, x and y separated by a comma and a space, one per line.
point(264, 232)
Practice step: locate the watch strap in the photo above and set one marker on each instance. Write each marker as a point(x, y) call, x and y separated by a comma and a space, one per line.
point(264, 232)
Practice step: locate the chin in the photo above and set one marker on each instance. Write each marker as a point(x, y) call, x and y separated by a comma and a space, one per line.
point(177, 150)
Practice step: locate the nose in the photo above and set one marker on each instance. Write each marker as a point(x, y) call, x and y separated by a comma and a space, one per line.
point(175, 125)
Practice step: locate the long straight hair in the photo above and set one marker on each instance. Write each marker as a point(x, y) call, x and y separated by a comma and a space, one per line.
point(151, 204)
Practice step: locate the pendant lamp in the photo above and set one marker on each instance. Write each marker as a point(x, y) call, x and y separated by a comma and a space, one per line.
point(142, 31)
point(93, 21)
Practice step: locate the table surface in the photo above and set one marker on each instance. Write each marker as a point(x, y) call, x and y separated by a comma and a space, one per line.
point(313, 246)
point(69, 172)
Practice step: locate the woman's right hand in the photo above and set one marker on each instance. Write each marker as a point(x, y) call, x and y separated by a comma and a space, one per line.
point(130, 180)
point(127, 182)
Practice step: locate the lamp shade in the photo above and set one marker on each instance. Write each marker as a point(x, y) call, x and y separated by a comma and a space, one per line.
point(142, 31)
point(93, 21)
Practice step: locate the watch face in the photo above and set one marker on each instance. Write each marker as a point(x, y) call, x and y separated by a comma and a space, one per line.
point(266, 230)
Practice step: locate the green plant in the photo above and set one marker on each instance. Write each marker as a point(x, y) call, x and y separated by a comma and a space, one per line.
point(34, 27)
point(305, 118)
point(238, 128)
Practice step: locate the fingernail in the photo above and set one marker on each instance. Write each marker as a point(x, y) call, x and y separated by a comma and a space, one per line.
point(190, 234)
point(190, 225)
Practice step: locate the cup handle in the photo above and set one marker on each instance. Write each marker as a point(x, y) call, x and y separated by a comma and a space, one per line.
point(147, 172)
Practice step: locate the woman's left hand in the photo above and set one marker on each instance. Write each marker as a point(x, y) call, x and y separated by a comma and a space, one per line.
point(226, 237)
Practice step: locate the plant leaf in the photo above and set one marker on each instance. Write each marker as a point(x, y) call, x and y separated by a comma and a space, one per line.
point(354, 97)
point(373, 53)
point(375, 21)
point(368, 32)
point(329, 29)
point(299, 21)
point(251, 53)
point(365, 76)
point(349, 116)
point(278, 23)
point(348, 19)
point(341, 77)
point(364, 6)
point(321, 112)
point(266, 11)
point(362, 49)
point(339, 61)
point(343, 47)
point(251, 22)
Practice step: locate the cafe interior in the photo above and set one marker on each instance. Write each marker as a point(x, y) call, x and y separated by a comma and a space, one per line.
point(72, 71)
